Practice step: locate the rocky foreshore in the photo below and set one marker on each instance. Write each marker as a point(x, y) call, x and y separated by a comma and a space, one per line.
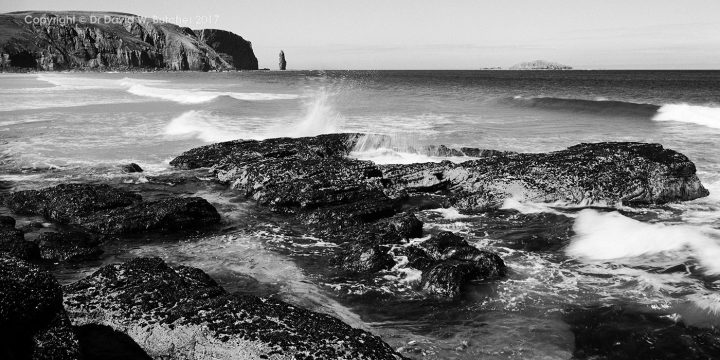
point(370, 211)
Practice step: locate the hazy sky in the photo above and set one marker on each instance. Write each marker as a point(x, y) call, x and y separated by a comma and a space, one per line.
point(451, 34)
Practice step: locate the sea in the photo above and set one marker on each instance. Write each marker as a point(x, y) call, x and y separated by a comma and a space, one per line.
point(664, 260)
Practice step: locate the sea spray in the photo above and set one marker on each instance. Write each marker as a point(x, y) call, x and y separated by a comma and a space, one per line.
point(320, 117)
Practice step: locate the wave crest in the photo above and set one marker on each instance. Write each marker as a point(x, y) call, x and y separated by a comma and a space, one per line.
point(695, 114)
point(184, 96)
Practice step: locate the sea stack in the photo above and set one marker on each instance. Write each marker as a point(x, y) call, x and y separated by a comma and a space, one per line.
point(283, 63)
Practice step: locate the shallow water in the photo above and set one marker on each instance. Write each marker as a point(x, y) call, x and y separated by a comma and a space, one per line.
point(60, 127)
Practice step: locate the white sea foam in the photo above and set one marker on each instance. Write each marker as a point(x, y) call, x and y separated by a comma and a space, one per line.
point(533, 208)
point(207, 127)
point(450, 213)
point(701, 115)
point(195, 96)
point(614, 237)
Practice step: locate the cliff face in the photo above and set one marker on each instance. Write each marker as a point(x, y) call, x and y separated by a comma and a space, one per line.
point(233, 48)
point(540, 65)
point(103, 41)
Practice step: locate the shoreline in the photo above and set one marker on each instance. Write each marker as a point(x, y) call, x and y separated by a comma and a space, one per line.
point(375, 219)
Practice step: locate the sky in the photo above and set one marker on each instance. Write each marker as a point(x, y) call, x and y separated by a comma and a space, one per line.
point(450, 34)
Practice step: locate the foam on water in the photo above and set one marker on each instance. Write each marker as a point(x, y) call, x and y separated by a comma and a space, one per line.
point(694, 114)
point(196, 96)
point(617, 238)
point(207, 127)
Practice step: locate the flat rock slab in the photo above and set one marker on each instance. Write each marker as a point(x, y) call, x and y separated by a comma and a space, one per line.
point(181, 313)
point(108, 210)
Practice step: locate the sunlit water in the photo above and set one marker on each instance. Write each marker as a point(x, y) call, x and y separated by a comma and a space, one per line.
point(60, 127)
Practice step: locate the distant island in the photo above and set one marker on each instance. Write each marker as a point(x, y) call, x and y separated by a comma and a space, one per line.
point(540, 65)
point(81, 40)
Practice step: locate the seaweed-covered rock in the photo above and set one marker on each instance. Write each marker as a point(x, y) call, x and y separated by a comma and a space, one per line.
point(585, 174)
point(33, 323)
point(349, 201)
point(68, 246)
point(316, 171)
point(108, 210)
point(182, 313)
point(165, 215)
point(614, 332)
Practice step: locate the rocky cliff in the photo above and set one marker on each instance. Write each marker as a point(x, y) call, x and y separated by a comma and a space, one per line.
point(105, 41)
point(233, 48)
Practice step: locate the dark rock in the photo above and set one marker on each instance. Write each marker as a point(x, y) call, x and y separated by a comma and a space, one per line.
point(68, 246)
point(352, 202)
point(364, 258)
point(182, 313)
point(99, 342)
point(585, 174)
point(132, 168)
point(70, 203)
point(33, 323)
point(239, 50)
point(282, 63)
point(164, 215)
point(125, 42)
point(448, 263)
point(614, 332)
point(368, 246)
point(12, 241)
point(108, 210)
point(7, 221)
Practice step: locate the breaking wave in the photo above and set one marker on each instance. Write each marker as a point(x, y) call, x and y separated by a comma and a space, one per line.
point(614, 237)
point(185, 96)
point(695, 114)
point(318, 118)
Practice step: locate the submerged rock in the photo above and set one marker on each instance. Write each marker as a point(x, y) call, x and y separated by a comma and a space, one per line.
point(108, 210)
point(613, 332)
point(182, 313)
point(33, 323)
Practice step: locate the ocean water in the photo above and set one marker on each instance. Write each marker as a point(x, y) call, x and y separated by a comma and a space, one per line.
point(60, 127)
